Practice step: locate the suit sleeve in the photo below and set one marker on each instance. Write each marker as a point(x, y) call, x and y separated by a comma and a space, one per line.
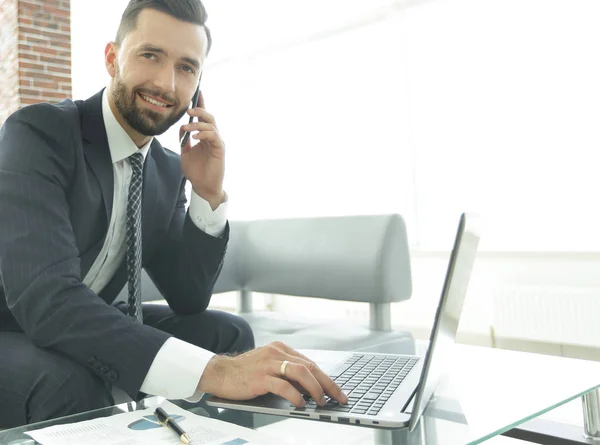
point(39, 260)
point(188, 262)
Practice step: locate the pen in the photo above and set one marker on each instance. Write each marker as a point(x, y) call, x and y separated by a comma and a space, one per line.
point(167, 421)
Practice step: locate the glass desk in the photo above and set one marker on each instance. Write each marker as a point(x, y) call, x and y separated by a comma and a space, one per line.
point(487, 392)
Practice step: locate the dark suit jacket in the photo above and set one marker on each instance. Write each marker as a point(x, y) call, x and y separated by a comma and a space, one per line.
point(56, 192)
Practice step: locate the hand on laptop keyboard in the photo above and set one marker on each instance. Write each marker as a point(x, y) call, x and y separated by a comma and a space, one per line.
point(275, 368)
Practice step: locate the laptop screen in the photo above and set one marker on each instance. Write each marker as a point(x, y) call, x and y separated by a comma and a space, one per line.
point(449, 309)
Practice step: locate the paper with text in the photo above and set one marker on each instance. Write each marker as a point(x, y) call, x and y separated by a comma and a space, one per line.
point(142, 427)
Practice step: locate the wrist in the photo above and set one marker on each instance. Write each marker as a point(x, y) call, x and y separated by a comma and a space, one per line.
point(213, 375)
point(214, 199)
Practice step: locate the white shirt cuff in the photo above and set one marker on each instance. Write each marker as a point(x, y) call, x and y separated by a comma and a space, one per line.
point(211, 223)
point(176, 371)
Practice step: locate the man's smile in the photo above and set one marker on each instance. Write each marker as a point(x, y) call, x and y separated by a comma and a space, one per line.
point(155, 102)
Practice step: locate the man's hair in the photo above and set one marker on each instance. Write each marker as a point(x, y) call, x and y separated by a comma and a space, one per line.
point(191, 11)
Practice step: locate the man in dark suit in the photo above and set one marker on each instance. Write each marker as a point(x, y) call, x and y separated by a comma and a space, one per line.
point(87, 198)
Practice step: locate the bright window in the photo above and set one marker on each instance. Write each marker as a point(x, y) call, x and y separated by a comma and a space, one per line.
point(427, 109)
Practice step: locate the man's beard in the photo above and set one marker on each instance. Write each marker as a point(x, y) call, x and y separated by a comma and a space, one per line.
point(144, 121)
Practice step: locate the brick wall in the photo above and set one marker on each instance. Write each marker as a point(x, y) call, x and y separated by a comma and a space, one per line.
point(35, 50)
point(9, 99)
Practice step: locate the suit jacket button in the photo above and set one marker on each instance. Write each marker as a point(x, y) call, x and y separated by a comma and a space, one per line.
point(92, 362)
point(104, 369)
point(112, 375)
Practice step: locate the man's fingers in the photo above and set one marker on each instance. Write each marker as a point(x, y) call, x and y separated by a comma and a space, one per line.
point(206, 136)
point(327, 385)
point(299, 373)
point(299, 387)
point(305, 373)
point(202, 115)
point(198, 126)
point(286, 390)
point(330, 387)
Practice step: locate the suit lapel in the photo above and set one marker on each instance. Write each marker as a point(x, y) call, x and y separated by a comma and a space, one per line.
point(96, 150)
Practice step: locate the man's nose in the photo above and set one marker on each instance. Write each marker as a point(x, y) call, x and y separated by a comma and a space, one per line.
point(165, 79)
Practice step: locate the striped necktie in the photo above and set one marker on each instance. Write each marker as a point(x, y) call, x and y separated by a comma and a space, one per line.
point(134, 237)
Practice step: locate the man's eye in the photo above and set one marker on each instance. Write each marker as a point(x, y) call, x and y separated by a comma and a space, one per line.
point(188, 68)
point(149, 56)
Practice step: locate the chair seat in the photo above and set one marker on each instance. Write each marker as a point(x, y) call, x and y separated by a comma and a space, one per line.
point(303, 333)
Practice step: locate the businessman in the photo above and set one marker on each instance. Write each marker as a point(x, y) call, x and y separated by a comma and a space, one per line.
point(88, 197)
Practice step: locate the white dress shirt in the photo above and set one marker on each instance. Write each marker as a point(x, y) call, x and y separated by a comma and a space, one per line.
point(178, 365)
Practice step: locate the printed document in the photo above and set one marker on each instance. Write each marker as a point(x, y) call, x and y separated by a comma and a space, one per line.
point(142, 427)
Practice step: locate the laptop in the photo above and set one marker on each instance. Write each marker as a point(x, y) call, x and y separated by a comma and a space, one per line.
point(387, 390)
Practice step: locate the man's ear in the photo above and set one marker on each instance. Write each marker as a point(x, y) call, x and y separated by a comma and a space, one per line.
point(110, 58)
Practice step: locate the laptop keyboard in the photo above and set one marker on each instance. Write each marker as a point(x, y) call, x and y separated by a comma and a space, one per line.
point(368, 381)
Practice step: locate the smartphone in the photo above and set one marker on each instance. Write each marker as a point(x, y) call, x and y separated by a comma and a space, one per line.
point(186, 135)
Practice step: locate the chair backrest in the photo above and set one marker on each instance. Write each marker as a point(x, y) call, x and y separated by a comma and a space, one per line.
point(350, 258)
